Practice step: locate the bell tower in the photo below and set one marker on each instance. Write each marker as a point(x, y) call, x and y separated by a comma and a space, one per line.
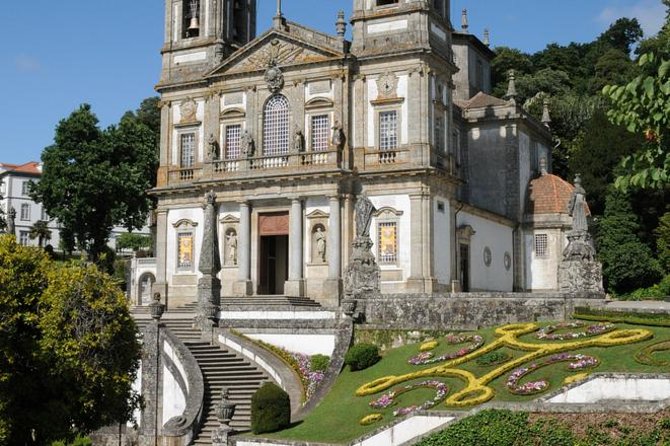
point(199, 34)
point(387, 26)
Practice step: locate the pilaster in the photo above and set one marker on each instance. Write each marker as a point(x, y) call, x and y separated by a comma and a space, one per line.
point(243, 286)
point(295, 284)
point(161, 285)
point(332, 287)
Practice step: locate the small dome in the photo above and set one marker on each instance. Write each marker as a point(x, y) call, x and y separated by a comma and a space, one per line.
point(549, 194)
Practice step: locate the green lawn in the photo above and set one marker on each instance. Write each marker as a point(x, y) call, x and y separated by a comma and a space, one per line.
point(337, 418)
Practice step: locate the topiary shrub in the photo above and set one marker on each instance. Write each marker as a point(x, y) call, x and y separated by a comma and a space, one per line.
point(319, 363)
point(270, 409)
point(362, 356)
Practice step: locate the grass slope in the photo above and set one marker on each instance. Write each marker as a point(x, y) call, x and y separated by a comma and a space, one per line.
point(336, 419)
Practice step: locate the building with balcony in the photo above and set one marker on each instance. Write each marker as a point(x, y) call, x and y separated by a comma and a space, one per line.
point(289, 127)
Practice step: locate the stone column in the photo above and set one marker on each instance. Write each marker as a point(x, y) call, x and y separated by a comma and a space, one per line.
point(243, 286)
point(151, 391)
point(416, 277)
point(161, 284)
point(332, 288)
point(294, 286)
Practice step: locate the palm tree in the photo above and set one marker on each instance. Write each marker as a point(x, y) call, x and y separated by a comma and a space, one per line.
point(40, 231)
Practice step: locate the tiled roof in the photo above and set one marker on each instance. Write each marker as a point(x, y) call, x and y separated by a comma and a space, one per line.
point(30, 168)
point(549, 194)
point(482, 100)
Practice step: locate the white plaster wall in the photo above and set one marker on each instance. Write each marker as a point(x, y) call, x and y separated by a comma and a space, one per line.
point(403, 87)
point(403, 92)
point(542, 272)
point(306, 344)
point(174, 215)
point(499, 238)
point(277, 315)
point(637, 389)
point(405, 431)
point(371, 85)
point(399, 203)
point(442, 237)
point(174, 400)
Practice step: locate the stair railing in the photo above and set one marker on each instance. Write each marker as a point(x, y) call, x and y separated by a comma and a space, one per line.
point(180, 430)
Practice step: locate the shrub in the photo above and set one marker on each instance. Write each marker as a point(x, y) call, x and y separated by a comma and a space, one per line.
point(319, 363)
point(493, 358)
point(270, 409)
point(362, 356)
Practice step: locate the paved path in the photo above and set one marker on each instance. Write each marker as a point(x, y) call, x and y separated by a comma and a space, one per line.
point(643, 305)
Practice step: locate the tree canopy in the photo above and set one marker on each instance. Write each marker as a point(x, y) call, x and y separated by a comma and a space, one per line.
point(96, 179)
point(68, 348)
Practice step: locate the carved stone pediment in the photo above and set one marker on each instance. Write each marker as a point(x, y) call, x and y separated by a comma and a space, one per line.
point(318, 213)
point(275, 48)
point(229, 219)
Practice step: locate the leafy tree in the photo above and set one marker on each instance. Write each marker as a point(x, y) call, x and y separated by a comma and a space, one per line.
point(597, 151)
point(507, 59)
point(68, 349)
point(663, 241)
point(40, 231)
point(547, 80)
point(132, 241)
point(93, 180)
point(628, 264)
point(622, 35)
point(643, 107)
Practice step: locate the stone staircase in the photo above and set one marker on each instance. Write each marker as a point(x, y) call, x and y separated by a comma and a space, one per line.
point(220, 368)
point(265, 302)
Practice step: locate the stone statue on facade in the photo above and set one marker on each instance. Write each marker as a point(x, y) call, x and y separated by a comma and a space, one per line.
point(362, 277)
point(213, 148)
point(320, 237)
point(298, 141)
point(209, 285)
point(337, 140)
point(11, 221)
point(579, 272)
point(231, 242)
point(247, 144)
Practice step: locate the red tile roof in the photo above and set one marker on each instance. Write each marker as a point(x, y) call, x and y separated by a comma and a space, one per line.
point(549, 194)
point(30, 168)
point(482, 100)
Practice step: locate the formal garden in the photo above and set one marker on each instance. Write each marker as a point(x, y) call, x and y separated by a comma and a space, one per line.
point(459, 371)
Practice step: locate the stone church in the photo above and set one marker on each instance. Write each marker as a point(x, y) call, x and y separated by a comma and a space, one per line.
point(290, 127)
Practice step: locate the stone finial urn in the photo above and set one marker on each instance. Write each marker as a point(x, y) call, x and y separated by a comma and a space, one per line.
point(226, 408)
point(156, 307)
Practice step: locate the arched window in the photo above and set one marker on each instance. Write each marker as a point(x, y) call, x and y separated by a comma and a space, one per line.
point(276, 126)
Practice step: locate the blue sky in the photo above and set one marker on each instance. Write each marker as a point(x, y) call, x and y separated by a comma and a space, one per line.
point(59, 54)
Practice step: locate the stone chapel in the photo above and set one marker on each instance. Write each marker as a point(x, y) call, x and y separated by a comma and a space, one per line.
point(290, 127)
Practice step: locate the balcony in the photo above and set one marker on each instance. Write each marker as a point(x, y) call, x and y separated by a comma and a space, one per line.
point(404, 157)
point(259, 166)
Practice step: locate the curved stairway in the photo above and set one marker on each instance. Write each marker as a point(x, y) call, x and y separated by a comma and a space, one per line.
point(220, 368)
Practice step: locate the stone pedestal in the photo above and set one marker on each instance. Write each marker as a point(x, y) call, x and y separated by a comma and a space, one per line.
point(581, 278)
point(243, 288)
point(221, 434)
point(294, 288)
point(332, 289)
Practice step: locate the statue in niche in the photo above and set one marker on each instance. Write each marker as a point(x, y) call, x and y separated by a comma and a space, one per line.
point(320, 239)
point(337, 140)
point(231, 247)
point(364, 211)
point(213, 152)
point(298, 141)
point(247, 144)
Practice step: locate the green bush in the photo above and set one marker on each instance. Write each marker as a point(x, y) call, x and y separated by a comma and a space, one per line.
point(270, 409)
point(659, 291)
point(624, 317)
point(500, 428)
point(319, 363)
point(79, 441)
point(362, 356)
point(493, 358)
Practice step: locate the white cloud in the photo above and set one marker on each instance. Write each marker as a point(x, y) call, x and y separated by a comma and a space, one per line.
point(650, 14)
point(27, 64)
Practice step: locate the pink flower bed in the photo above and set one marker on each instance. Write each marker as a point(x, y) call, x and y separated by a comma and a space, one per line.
point(388, 399)
point(577, 362)
point(475, 342)
point(547, 333)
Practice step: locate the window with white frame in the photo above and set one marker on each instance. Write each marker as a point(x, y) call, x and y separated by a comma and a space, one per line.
point(320, 132)
point(232, 141)
point(276, 126)
point(185, 251)
point(24, 236)
point(541, 245)
point(25, 188)
point(388, 130)
point(25, 212)
point(187, 149)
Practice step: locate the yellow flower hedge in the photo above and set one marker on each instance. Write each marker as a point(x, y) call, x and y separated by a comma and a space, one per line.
point(370, 419)
point(477, 390)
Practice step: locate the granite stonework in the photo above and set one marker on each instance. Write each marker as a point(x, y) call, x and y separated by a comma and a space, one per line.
point(468, 311)
point(209, 285)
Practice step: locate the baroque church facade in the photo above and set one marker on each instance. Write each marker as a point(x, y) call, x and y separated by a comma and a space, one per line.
point(288, 128)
